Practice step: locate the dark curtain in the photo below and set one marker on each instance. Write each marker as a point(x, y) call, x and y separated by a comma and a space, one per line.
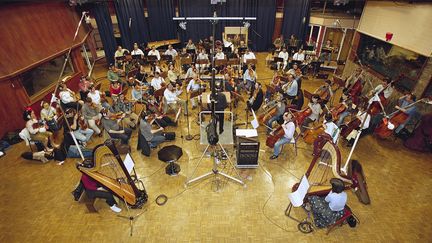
point(260, 31)
point(104, 24)
point(296, 19)
point(160, 22)
point(195, 30)
point(131, 12)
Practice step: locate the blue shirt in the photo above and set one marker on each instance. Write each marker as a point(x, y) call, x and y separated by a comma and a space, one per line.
point(292, 90)
point(336, 201)
point(410, 110)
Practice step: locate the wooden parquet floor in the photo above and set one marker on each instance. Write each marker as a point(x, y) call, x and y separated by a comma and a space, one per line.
point(37, 204)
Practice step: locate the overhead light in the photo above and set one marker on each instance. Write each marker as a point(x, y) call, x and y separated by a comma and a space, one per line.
point(183, 25)
point(246, 24)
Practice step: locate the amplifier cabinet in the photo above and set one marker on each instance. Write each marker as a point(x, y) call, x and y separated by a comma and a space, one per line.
point(247, 153)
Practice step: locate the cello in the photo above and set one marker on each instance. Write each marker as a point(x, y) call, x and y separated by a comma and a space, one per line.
point(311, 135)
point(386, 127)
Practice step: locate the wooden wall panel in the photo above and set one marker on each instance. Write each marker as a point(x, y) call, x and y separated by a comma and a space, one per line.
point(278, 28)
point(35, 32)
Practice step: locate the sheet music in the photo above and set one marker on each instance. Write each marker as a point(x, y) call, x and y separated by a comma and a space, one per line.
point(296, 198)
point(254, 122)
point(249, 133)
point(129, 163)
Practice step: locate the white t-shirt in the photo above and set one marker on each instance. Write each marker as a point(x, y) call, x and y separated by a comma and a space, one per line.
point(156, 83)
point(299, 57)
point(289, 129)
point(66, 97)
point(220, 56)
point(95, 97)
point(137, 52)
point(171, 97)
point(248, 56)
point(154, 53)
point(283, 55)
point(172, 52)
point(336, 201)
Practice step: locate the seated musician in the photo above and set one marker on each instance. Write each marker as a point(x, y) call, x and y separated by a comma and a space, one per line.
point(94, 95)
point(327, 210)
point(315, 115)
point(289, 128)
point(219, 54)
point(172, 75)
point(330, 127)
point(121, 105)
point(279, 43)
point(275, 85)
point(84, 87)
point(172, 52)
point(120, 52)
point(49, 115)
point(154, 52)
point(137, 93)
point(137, 51)
point(37, 132)
point(248, 55)
point(67, 98)
point(326, 52)
point(190, 45)
point(140, 77)
point(157, 81)
point(156, 67)
point(91, 113)
point(111, 124)
point(292, 40)
point(93, 190)
point(115, 89)
point(78, 126)
point(381, 91)
point(284, 55)
point(71, 149)
point(152, 136)
point(290, 89)
point(193, 86)
point(172, 99)
point(227, 42)
point(295, 71)
point(114, 73)
point(349, 108)
point(161, 120)
point(191, 72)
point(405, 101)
point(249, 78)
point(299, 56)
point(361, 115)
point(256, 97)
point(351, 79)
point(325, 92)
point(202, 56)
point(280, 110)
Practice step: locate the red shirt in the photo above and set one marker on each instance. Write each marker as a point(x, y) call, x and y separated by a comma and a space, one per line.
point(89, 183)
point(115, 91)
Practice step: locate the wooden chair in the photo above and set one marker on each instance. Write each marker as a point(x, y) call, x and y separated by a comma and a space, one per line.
point(89, 202)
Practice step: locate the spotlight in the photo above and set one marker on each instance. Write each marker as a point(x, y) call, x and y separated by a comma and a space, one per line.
point(183, 25)
point(246, 24)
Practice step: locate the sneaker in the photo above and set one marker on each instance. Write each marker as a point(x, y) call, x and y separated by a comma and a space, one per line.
point(273, 157)
point(115, 208)
point(60, 163)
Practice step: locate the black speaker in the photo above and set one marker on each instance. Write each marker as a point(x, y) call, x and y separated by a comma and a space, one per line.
point(247, 153)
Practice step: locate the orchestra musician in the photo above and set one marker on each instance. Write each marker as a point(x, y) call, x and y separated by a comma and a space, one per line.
point(172, 52)
point(248, 55)
point(289, 128)
point(152, 136)
point(315, 115)
point(111, 124)
point(284, 55)
point(190, 45)
point(95, 95)
point(219, 56)
point(346, 101)
point(173, 77)
point(330, 127)
point(193, 86)
point(154, 52)
point(115, 89)
point(290, 89)
point(292, 40)
point(157, 81)
point(113, 74)
point(256, 97)
point(140, 76)
point(137, 93)
point(162, 120)
point(120, 52)
point(296, 72)
point(92, 115)
point(37, 131)
point(137, 51)
point(324, 92)
point(381, 93)
point(299, 56)
point(411, 111)
point(49, 115)
point(361, 115)
point(84, 86)
point(280, 110)
point(326, 52)
point(172, 99)
point(249, 78)
point(67, 98)
point(276, 86)
point(202, 56)
point(121, 105)
point(191, 72)
point(78, 126)
point(279, 43)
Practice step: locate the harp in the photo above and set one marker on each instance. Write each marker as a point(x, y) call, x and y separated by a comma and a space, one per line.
point(109, 170)
point(326, 165)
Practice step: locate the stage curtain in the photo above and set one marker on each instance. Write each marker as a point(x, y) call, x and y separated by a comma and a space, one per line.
point(132, 23)
point(198, 29)
point(296, 19)
point(103, 21)
point(160, 22)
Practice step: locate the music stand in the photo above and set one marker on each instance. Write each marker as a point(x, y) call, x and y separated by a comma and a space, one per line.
point(166, 58)
point(251, 61)
point(136, 57)
point(191, 51)
point(152, 58)
point(242, 50)
point(201, 62)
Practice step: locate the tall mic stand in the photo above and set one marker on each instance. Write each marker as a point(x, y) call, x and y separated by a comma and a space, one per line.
point(188, 136)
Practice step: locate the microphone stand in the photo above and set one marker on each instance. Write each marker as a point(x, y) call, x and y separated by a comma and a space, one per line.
point(188, 137)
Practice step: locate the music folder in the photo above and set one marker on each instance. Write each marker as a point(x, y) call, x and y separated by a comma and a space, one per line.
point(297, 198)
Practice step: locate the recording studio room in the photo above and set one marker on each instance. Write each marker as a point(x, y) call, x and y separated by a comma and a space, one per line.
point(216, 121)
